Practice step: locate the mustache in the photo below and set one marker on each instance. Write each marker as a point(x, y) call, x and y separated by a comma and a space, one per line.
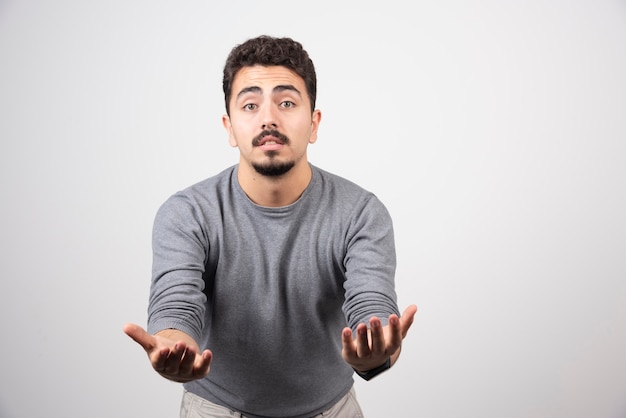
point(272, 132)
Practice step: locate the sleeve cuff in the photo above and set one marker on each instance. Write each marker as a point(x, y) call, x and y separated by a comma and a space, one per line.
point(370, 374)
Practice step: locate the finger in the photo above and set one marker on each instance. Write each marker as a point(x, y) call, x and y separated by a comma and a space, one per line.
point(348, 348)
point(203, 364)
point(407, 319)
point(395, 333)
point(362, 342)
point(186, 364)
point(172, 364)
point(158, 359)
point(378, 336)
point(140, 336)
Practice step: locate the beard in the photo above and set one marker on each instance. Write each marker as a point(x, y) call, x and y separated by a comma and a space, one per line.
point(272, 168)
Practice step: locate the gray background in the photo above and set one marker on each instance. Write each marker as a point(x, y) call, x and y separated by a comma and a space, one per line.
point(493, 130)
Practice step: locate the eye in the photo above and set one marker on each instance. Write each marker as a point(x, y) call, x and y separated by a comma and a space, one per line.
point(288, 104)
point(249, 106)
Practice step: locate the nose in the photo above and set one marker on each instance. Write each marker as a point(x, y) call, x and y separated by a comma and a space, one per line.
point(269, 120)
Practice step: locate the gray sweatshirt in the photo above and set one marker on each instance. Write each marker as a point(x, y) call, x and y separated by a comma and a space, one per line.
point(269, 290)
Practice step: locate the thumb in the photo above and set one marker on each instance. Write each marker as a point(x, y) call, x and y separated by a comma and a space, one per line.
point(406, 320)
point(140, 336)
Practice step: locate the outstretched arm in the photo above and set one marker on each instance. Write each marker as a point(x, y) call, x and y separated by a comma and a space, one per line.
point(372, 348)
point(173, 354)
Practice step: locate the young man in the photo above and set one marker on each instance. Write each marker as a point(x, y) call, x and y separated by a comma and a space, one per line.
point(273, 281)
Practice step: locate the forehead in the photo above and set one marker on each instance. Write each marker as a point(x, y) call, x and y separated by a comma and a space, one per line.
point(266, 78)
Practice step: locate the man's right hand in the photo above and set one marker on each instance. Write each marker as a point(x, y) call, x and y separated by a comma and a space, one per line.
point(172, 353)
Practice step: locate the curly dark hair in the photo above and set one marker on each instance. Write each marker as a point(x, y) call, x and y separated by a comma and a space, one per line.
point(269, 51)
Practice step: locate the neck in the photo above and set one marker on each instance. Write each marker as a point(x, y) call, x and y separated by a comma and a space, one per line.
point(274, 191)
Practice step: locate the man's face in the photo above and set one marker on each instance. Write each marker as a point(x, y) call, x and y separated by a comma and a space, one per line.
point(270, 119)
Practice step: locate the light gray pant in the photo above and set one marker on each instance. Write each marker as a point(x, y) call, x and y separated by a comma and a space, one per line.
point(193, 406)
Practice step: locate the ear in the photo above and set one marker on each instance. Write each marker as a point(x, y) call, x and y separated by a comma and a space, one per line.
point(229, 129)
point(316, 118)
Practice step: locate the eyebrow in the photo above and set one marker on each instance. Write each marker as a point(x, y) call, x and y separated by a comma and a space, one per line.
point(277, 89)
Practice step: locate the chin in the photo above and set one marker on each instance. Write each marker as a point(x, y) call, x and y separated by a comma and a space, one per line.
point(274, 168)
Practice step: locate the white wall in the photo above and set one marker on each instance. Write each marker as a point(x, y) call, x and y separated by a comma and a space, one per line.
point(494, 131)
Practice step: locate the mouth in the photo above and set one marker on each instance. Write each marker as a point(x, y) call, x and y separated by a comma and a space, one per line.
point(270, 139)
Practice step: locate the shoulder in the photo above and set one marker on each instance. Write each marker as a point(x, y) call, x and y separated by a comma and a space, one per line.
point(209, 187)
point(340, 187)
point(202, 196)
point(334, 181)
point(214, 184)
point(345, 194)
